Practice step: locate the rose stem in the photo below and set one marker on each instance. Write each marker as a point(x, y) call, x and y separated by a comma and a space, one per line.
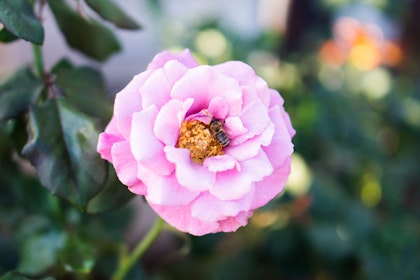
point(127, 262)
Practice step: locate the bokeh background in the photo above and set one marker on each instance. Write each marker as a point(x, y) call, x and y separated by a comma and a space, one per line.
point(349, 73)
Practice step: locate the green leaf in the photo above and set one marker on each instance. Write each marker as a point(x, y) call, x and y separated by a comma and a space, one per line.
point(112, 196)
point(62, 147)
point(18, 17)
point(18, 93)
point(84, 86)
point(6, 36)
point(111, 12)
point(40, 252)
point(15, 275)
point(78, 255)
point(85, 35)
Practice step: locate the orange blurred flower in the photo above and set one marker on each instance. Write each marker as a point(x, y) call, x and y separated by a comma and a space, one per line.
point(361, 44)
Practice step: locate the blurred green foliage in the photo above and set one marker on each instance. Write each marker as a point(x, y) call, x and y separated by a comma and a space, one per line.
point(350, 211)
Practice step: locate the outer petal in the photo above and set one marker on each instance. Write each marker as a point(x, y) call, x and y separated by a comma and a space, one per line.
point(146, 148)
point(156, 89)
point(128, 101)
point(281, 146)
point(107, 139)
point(126, 167)
point(165, 190)
point(162, 58)
point(180, 218)
point(271, 186)
point(190, 175)
point(238, 70)
point(220, 210)
point(203, 84)
point(233, 223)
point(276, 99)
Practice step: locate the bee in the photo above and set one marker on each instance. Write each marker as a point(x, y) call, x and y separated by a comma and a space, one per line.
point(218, 132)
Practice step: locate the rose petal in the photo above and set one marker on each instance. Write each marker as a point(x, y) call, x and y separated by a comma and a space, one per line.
point(221, 163)
point(275, 98)
point(255, 118)
point(107, 139)
point(233, 223)
point(146, 148)
point(271, 186)
point(220, 209)
point(257, 167)
point(128, 101)
point(218, 108)
point(281, 146)
point(180, 218)
point(185, 57)
point(156, 89)
point(238, 70)
point(250, 148)
point(263, 90)
point(126, 166)
point(234, 127)
point(190, 175)
point(169, 120)
point(231, 185)
point(203, 84)
point(165, 190)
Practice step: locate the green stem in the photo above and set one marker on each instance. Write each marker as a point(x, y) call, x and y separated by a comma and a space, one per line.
point(38, 60)
point(127, 262)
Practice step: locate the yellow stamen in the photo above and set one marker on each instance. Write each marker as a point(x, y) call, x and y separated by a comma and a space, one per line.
point(196, 137)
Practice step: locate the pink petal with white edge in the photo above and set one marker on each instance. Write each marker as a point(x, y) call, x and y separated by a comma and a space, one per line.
point(220, 209)
point(257, 167)
point(275, 98)
point(185, 57)
point(234, 127)
point(218, 108)
point(221, 163)
point(180, 218)
point(156, 89)
point(288, 123)
point(169, 120)
point(255, 118)
point(262, 90)
point(203, 116)
point(146, 148)
point(107, 139)
point(231, 185)
point(126, 166)
point(203, 84)
point(238, 70)
point(190, 175)
point(281, 147)
point(233, 223)
point(128, 101)
point(271, 186)
point(165, 190)
point(251, 147)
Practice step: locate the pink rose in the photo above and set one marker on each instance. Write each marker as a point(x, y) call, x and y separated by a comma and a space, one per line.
point(161, 144)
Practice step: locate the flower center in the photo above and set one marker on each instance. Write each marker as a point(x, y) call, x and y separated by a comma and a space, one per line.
point(196, 137)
